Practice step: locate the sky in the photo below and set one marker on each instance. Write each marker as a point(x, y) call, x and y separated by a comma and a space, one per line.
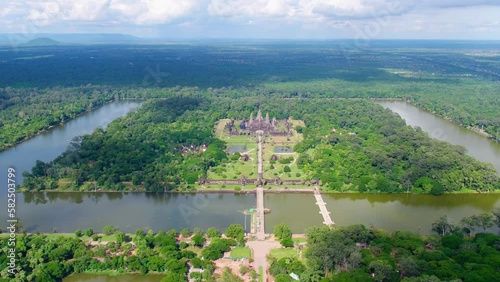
point(293, 19)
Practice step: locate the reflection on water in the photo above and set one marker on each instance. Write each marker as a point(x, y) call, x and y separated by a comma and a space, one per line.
point(66, 212)
point(387, 211)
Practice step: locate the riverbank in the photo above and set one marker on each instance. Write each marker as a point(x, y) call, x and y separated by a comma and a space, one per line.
point(54, 126)
point(413, 103)
point(251, 190)
point(50, 127)
point(471, 128)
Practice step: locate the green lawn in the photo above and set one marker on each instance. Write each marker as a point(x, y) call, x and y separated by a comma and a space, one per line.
point(110, 238)
point(227, 187)
point(234, 171)
point(239, 139)
point(299, 240)
point(195, 250)
point(241, 252)
point(268, 151)
point(284, 253)
point(54, 236)
point(50, 236)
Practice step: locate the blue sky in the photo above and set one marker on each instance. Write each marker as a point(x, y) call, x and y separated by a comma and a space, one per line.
point(358, 19)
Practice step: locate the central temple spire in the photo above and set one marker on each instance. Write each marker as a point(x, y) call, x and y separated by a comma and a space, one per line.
point(259, 115)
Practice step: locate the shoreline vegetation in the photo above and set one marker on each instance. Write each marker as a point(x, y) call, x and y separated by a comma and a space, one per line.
point(48, 120)
point(251, 190)
point(77, 115)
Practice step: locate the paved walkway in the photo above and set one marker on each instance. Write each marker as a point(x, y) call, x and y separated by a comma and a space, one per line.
point(260, 226)
point(259, 157)
point(322, 208)
point(260, 221)
point(260, 251)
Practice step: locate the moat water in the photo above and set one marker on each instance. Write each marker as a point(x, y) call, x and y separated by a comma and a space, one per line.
point(478, 146)
point(67, 211)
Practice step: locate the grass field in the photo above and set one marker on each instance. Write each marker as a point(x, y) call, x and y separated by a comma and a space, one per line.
point(195, 250)
point(239, 140)
point(284, 252)
point(278, 170)
point(236, 169)
point(219, 128)
point(299, 240)
point(241, 252)
point(227, 187)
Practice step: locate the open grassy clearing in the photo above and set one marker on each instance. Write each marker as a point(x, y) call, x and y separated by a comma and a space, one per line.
point(219, 128)
point(277, 169)
point(280, 253)
point(241, 252)
point(236, 169)
point(227, 187)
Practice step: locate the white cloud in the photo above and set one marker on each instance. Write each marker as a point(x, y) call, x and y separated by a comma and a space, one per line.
point(46, 12)
point(125, 11)
point(341, 18)
point(458, 3)
point(256, 8)
point(153, 11)
point(358, 8)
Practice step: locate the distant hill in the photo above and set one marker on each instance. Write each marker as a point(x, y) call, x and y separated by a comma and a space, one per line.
point(68, 38)
point(94, 38)
point(42, 41)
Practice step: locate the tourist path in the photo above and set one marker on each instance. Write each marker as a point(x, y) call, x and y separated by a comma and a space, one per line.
point(259, 158)
point(260, 221)
point(327, 220)
point(260, 225)
point(260, 250)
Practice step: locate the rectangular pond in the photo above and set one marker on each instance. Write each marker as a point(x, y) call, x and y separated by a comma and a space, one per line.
point(283, 149)
point(236, 148)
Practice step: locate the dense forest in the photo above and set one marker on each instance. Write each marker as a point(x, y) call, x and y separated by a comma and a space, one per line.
point(348, 145)
point(349, 253)
point(26, 111)
point(43, 86)
point(51, 257)
point(357, 253)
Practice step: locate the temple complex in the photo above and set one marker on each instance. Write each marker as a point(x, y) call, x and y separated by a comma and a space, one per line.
point(272, 127)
